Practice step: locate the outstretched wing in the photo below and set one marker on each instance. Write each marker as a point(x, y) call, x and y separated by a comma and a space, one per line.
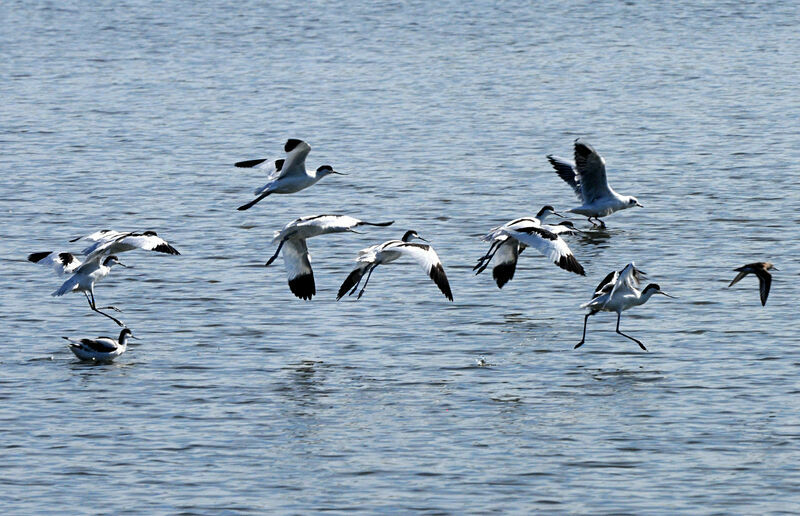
point(298, 268)
point(505, 262)
point(424, 255)
point(591, 169)
point(148, 241)
point(764, 282)
point(566, 171)
point(550, 245)
point(296, 153)
point(62, 263)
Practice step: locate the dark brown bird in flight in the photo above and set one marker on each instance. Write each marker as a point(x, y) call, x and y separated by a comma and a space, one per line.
point(764, 278)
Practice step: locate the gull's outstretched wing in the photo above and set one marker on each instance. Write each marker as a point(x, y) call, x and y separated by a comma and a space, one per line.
point(591, 169)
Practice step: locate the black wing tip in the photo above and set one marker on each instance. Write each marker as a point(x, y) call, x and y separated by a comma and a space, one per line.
point(569, 263)
point(291, 143)
point(250, 163)
point(166, 249)
point(303, 286)
point(440, 278)
point(349, 282)
point(503, 273)
point(37, 257)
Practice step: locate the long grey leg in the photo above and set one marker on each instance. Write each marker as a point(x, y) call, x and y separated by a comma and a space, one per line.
point(619, 315)
point(585, 320)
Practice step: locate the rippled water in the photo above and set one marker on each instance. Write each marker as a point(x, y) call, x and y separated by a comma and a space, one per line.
point(240, 397)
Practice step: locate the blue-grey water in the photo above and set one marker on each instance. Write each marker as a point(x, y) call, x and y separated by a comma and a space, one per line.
point(241, 398)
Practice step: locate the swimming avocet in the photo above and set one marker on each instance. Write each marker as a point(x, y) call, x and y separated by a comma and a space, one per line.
point(587, 176)
point(368, 259)
point(101, 349)
point(764, 278)
point(618, 292)
point(292, 239)
point(288, 175)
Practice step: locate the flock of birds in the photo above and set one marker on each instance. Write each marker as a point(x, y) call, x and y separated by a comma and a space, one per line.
point(617, 292)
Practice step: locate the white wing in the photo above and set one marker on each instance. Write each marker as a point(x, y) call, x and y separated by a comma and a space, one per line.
point(591, 169)
point(505, 262)
point(62, 263)
point(103, 234)
point(549, 244)
point(296, 153)
point(273, 171)
point(148, 241)
point(298, 268)
point(424, 255)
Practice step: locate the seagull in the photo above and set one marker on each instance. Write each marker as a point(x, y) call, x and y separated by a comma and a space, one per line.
point(62, 263)
point(587, 176)
point(84, 278)
point(617, 292)
point(764, 278)
point(368, 259)
point(288, 175)
point(101, 349)
point(292, 239)
point(543, 238)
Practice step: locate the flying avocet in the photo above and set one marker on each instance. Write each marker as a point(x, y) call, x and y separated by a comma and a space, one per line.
point(100, 258)
point(618, 292)
point(368, 259)
point(292, 240)
point(587, 177)
point(760, 269)
point(508, 249)
point(288, 175)
point(101, 349)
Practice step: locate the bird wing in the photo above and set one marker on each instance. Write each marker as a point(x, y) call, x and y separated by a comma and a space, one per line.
point(148, 241)
point(610, 279)
point(505, 262)
point(591, 169)
point(549, 244)
point(329, 223)
point(743, 271)
point(764, 282)
point(100, 344)
point(62, 263)
point(424, 255)
point(298, 268)
point(103, 234)
point(273, 169)
point(566, 171)
point(296, 153)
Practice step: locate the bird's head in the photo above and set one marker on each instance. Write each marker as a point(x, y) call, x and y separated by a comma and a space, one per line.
point(547, 211)
point(768, 266)
point(126, 332)
point(632, 201)
point(113, 260)
point(325, 170)
point(412, 234)
point(654, 288)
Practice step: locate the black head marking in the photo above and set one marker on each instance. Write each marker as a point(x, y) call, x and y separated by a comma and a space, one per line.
point(291, 143)
point(410, 233)
point(125, 331)
point(325, 167)
point(111, 259)
point(651, 286)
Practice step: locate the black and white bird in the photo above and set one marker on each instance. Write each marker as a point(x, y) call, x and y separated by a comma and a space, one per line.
point(618, 292)
point(368, 259)
point(292, 240)
point(108, 242)
point(544, 238)
point(62, 263)
point(587, 177)
point(287, 175)
point(101, 349)
point(761, 270)
point(100, 258)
